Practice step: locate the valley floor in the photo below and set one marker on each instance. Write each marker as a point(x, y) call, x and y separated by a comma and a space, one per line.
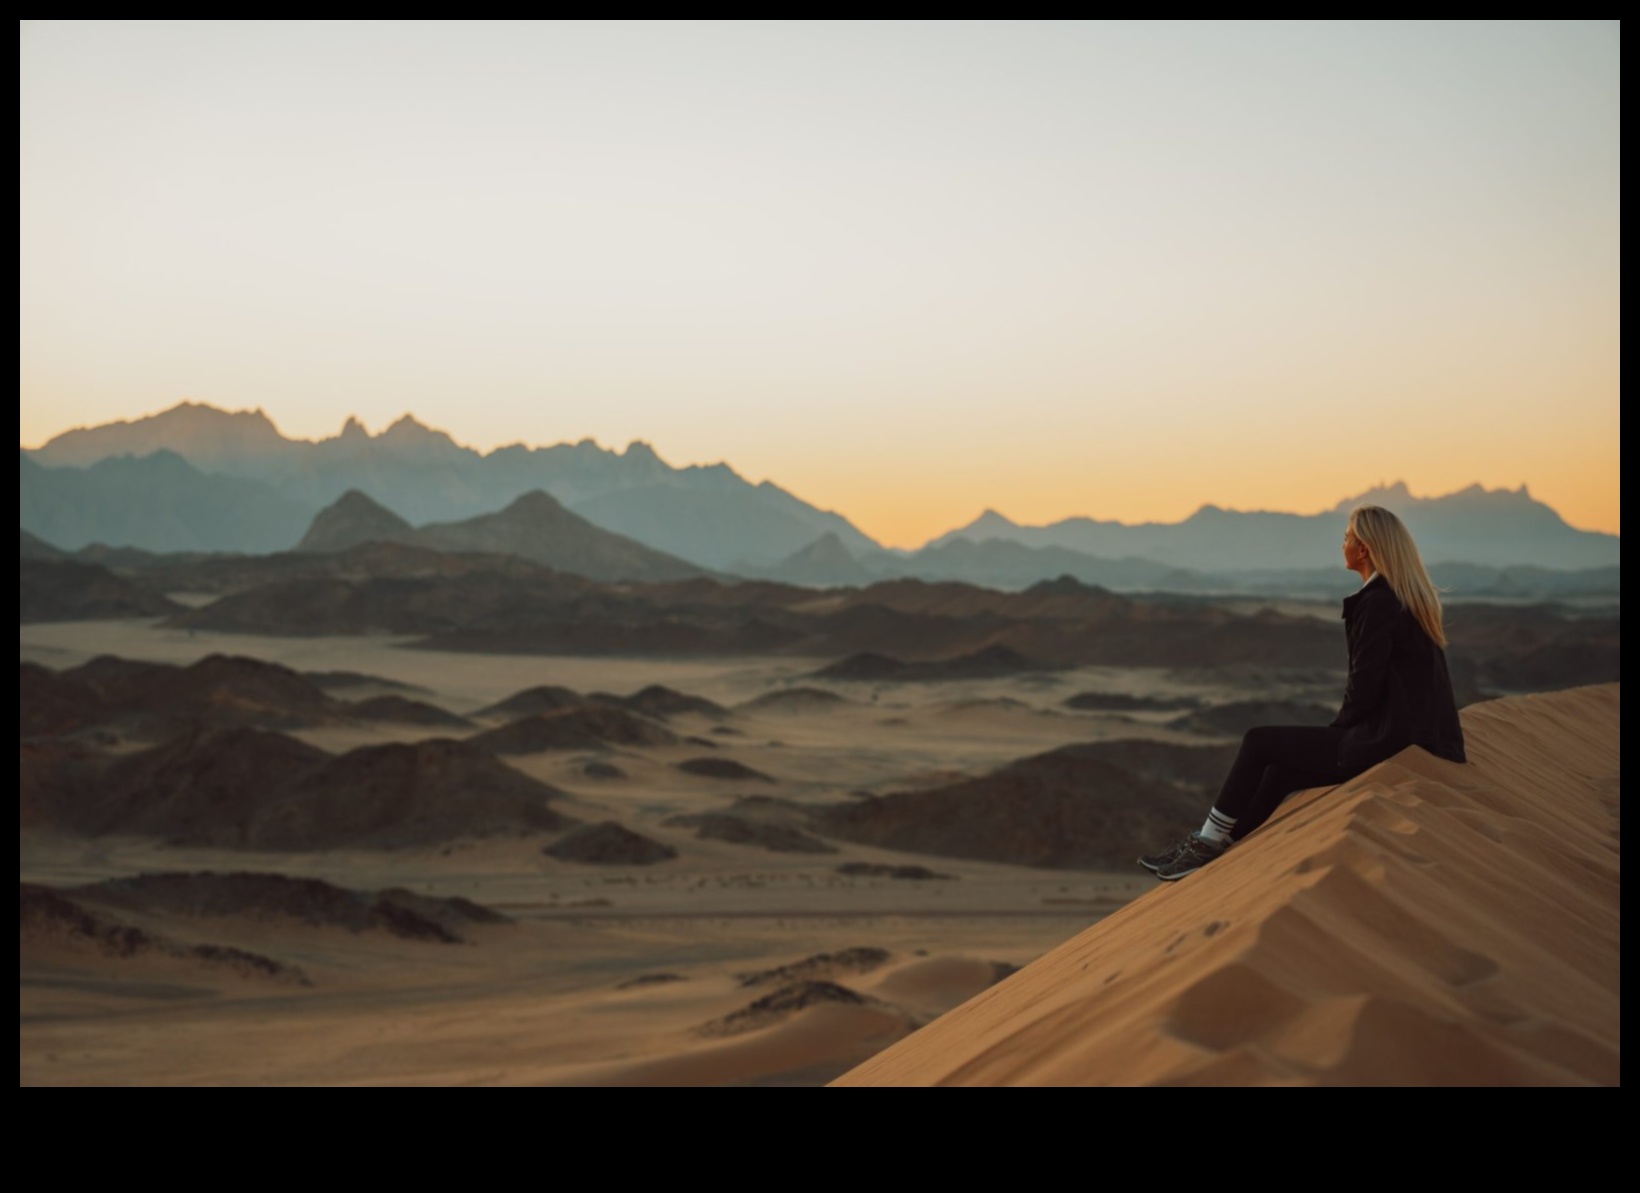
point(729, 964)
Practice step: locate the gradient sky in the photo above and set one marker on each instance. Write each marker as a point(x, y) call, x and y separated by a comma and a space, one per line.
point(906, 270)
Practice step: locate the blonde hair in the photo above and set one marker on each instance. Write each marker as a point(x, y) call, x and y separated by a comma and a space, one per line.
point(1395, 557)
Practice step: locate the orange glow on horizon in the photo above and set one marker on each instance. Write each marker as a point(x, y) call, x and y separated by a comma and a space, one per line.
point(1107, 269)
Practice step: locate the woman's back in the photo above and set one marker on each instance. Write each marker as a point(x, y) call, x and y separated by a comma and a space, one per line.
point(1400, 689)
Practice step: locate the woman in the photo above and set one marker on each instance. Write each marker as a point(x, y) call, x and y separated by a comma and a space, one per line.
point(1399, 694)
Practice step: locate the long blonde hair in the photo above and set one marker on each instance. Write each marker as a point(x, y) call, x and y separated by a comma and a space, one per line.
point(1395, 557)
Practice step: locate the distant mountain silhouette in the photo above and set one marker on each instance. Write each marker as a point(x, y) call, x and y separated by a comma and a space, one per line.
point(824, 563)
point(195, 478)
point(160, 503)
point(31, 546)
point(708, 515)
point(534, 527)
point(1490, 527)
point(1004, 563)
point(537, 527)
point(720, 526)
point(212, 439)
point(354, 519)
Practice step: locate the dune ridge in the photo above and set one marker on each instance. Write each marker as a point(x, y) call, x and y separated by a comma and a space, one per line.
point(1423, 924)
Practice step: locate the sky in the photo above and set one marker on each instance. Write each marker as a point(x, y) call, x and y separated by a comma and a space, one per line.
point(906, 270)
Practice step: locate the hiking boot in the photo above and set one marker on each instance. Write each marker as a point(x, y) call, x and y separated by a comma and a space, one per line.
point(1155, 861)
point(1194, 853)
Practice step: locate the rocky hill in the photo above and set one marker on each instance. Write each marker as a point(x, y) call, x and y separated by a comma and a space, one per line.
point(248, 788)
point(65, 590)
point(1092, 806)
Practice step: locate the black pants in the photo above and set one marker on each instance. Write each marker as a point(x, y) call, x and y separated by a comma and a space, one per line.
point(1275, 761)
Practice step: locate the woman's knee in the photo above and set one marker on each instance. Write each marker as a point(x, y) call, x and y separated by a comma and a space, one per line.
point(1260, 738)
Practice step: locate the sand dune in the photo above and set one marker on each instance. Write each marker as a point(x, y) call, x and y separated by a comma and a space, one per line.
point(1423, 924)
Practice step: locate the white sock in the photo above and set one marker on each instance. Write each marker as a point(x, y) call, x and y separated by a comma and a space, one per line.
point(1217, 827)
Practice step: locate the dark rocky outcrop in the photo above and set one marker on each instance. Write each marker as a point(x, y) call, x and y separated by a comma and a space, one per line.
point(251, 789)
point(859, 960)
point(746, 830)
point(56, 777)
point(118, 681)
point(343, 681)
point(404, 711)
point(46, 917)
point(49, 703)
point(1091, 806)
point(787, 1001)
point(897, 630)
point(798, 701)
point(207, 786)
point(532, 702)
point(608, 844)
point(312, 901)
point(661, 702)
point(1123, 702)
point(420, 793)
point(580, 727)
point(159, 699)
point(721, 768)
point(65, 590)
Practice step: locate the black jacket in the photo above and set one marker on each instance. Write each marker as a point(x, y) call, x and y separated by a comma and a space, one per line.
point(1399, 692)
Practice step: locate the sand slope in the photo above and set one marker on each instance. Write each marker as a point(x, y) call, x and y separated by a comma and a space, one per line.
point(1423, 924)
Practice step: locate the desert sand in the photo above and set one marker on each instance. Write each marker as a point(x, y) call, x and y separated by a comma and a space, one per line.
point(1364, 935)
point(1423, 924)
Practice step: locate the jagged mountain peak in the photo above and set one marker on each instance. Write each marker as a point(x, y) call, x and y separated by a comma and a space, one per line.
point(1383, 494)
point(192, 429)
point(408, 428)
point(707, 512)
point(1398, 496)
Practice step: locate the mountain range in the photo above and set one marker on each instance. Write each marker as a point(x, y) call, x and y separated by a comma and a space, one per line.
point(252, 489)
point(534, 527)
point(195, 478)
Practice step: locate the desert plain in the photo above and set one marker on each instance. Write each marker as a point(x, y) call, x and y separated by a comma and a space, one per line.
point(720, 871)
point(613, 971)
